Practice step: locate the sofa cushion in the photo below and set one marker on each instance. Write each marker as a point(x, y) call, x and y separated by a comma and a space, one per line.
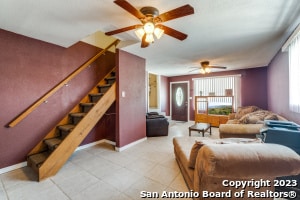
point(198, 144)
point(241, 111)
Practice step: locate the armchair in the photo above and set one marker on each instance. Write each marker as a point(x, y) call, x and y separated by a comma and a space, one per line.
point(156, 125)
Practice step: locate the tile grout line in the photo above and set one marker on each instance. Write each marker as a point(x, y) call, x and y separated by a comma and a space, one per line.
point(3, 187)
point(59, 188)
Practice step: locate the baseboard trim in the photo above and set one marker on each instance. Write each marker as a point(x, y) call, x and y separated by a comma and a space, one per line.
point(13, 167)
point(119, 149)
point(24, 164)
point(95, 143)
point(110, 142)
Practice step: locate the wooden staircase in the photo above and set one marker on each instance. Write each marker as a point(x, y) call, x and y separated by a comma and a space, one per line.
point(51, 153)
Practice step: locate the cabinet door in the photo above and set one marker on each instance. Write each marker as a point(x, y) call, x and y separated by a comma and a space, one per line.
point(213, 120)
point(201, 118)
point(223, 119)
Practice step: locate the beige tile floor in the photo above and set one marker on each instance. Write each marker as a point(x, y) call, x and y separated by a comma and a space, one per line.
point(99, 172)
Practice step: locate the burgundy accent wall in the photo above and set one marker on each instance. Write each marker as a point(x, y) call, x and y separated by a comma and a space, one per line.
point(278, 87)
point(28, 69)
point(131, 108)
point(253, 86)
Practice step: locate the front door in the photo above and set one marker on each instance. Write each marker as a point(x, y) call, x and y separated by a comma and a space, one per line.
point(179, 101)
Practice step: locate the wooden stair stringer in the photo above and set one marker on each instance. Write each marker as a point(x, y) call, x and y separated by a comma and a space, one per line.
point(62, 153)
point(41, 146)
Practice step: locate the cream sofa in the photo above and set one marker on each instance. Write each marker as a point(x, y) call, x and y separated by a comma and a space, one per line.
point(246, 122)
point(209, 165)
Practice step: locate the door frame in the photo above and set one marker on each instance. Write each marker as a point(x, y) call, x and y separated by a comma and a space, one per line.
point(188, 98)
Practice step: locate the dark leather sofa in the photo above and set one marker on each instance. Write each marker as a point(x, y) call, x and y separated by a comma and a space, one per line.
point(156, 125)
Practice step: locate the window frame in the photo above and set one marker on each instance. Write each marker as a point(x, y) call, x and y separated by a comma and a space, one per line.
point(221, 92)
point(294, 73)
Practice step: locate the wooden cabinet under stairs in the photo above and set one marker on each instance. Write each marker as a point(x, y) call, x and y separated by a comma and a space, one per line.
point(54, 150)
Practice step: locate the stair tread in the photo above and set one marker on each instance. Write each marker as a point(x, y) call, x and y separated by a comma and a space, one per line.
point(38, 158)
point(87, 104)
point(86, 107)
point(110, 78)
point(105, 85)
point(53, 141)
point(66, 127)
point(79, 114)
point(97, 94)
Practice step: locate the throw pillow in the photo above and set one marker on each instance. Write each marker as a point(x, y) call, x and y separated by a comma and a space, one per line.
point(251, 118)
point(197, 146)
point(241, 111)
point(257, 117)
point(194, 152)
point(271, 117)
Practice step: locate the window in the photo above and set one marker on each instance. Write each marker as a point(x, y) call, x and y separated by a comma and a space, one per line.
point(179, 96)
point(294, 74)
point(217, 85)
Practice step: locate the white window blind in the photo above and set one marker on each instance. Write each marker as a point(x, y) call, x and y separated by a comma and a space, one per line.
point(216, 86)
point(294, 74)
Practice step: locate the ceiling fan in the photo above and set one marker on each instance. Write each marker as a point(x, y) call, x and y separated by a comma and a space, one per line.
point(205, 67)
point(151, 22)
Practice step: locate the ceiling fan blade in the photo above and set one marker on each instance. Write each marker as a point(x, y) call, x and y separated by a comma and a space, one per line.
point(217, 67)
point(144, 44)
point(129, 8)
point(194, 70)
point(175, 13)
point(128, 28)
point(172, 32)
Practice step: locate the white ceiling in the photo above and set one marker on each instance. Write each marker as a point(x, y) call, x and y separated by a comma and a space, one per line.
point(233, 33)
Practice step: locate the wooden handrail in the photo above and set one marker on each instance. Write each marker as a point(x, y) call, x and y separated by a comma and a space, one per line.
point(58, 86)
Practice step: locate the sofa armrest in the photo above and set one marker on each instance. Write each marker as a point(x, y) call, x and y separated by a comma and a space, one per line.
point(238, 129)
point(247, 160)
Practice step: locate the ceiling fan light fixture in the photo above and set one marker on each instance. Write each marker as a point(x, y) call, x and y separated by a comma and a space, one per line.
point(149, 38)
point(150, 30)
point(158, 32)
point(149, 27)
point(207, 70)
point(139, 32)
point(149, 17)
point(202, 71)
